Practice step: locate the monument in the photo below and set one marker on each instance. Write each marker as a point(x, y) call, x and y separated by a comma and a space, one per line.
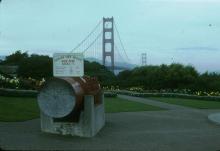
point(72, 104)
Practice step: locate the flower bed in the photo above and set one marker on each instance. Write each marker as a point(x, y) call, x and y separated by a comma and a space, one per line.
point(9, 82)
point(179, 95)
point(163, 91)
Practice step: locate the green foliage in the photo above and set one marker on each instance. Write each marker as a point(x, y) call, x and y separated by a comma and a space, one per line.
point(163, 77)
point(105, 77)
point(109, 94)
point(8, 82)
point(36, 66)
point(174, 76)
point(15, 58)
point(208, 81)
point(39, 66)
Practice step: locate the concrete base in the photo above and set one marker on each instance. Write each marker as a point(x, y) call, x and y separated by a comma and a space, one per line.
point(92, 119)
point(215, 118)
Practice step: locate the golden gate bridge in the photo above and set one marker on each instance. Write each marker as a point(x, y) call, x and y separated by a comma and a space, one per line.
point(105, 46)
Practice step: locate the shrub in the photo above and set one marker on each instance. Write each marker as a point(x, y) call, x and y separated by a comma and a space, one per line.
point(6, 82)
point(110, 94)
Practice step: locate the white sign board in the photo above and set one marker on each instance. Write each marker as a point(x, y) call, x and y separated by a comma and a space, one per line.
point(68, 65)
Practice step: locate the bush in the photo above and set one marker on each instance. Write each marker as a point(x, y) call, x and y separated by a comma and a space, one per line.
point(36, 66)
point(174, 76)
point(110, 94)
point(9, 82)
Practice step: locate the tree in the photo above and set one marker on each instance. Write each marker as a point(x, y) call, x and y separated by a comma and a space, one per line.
point(105, 77)
point(36, 66)
point(15, 58)
point(174, 76)
point(123, 78)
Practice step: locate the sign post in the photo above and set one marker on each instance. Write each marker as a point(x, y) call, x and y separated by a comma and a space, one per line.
point(68, 65)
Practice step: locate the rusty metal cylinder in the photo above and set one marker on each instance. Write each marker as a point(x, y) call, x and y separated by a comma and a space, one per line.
point(63, 97)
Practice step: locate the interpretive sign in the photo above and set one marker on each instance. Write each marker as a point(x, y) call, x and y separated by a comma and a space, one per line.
point(68, 65)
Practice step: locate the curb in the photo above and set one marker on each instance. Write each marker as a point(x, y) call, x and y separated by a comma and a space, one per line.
point(215, 118)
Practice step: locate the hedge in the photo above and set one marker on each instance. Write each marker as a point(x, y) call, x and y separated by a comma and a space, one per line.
point(177, 95)
point(18, 93)
point(110, 94)
point(33, 93)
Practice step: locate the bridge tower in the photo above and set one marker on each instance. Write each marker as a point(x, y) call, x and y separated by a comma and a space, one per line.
point(108, 41)
point(144, 59)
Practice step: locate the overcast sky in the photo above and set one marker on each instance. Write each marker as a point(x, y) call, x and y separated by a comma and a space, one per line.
point(184, 31)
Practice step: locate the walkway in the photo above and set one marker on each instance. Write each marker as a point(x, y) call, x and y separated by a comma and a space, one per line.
point(169, 130)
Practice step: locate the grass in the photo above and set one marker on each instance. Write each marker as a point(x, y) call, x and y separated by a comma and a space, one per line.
point(14, 109)
point(199, 104)
point(113, 105)
point(18, 109)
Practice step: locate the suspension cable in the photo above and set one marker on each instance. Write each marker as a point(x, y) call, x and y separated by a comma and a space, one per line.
point(94, 29)
point(121, 41)
point(99, 35)
point(117, 50)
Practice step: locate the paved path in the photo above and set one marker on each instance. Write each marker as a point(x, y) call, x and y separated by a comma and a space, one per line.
point(169, 130)
point(155, 103)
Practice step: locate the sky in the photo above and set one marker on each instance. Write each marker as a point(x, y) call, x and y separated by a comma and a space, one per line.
point(180, 31)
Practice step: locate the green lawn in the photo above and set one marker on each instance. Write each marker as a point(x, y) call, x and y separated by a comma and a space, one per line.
point(18, 109)
point(199, 104)
point(121, 105)
point(14, 109)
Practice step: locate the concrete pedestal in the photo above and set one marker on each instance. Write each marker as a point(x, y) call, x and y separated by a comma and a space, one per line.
point(92, 119)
